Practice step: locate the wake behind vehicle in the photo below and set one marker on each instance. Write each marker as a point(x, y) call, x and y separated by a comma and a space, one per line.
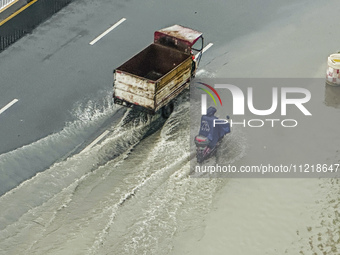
point(210, 135)
point(153, 78)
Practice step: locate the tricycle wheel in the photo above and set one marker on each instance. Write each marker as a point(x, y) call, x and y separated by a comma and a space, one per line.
point(167, 110)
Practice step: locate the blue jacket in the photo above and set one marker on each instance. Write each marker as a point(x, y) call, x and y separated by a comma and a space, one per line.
point(208, 130)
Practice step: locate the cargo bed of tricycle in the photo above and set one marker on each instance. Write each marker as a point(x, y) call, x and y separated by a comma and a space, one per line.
point(151, 79)
point(153, 62)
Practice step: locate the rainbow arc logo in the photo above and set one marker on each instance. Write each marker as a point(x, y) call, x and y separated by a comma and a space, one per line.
point(209, 93)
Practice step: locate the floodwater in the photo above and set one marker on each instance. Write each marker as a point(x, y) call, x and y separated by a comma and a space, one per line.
point(133, 193)
point(279, 215)
point(127, 195)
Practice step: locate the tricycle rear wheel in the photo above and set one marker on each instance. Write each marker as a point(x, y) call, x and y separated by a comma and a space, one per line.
point(167, 110)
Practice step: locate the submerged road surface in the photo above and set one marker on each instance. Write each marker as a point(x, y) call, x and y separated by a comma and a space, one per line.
point(132, 194)
point(60, 76)
point(61, 65)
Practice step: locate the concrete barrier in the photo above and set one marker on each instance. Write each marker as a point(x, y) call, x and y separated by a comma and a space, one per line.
point(26, 19)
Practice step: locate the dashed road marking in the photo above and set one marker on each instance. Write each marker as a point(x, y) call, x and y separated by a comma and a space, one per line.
point(204, 49)
point(107, 31)
point(8, 105)
point(207, 47)
point(105, 133)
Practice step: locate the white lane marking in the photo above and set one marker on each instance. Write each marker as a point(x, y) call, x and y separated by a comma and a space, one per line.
point(95, 141)
point(8, 105)
point(207, 47)
point(108, 31)
point(204, 49)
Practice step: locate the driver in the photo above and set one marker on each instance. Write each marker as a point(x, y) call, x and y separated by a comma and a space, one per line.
point(207, 129)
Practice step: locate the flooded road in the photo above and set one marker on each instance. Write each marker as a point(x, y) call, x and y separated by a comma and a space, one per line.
point(133, 193)
point(128, 195)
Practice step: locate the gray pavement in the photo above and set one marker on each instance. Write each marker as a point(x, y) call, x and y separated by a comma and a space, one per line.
point(59, 78)
point(63, 85)
point(55, 67)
